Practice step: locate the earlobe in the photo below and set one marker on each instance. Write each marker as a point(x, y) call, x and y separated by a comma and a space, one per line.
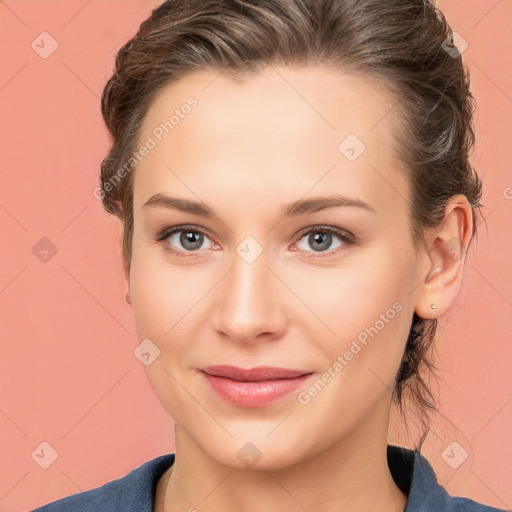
point(438, 290)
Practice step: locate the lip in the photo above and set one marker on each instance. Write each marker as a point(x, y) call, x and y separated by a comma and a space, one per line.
point(254, 374)
point(255, 387)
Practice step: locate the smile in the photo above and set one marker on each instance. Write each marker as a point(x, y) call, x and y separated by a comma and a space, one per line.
point(257, 387)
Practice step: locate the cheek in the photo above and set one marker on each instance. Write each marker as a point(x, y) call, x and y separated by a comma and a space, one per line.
point(163, 298)
point(162, 293)
point(368, 309)
point(353, 296)
point(169, 302)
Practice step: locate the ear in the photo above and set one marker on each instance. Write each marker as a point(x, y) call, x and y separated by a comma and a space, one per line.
point(126, 269)
point(444, 263)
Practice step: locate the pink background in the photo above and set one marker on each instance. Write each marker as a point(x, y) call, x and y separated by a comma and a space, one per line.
point(68, 373)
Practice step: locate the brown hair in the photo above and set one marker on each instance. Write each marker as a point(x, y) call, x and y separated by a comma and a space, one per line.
point(400, 43)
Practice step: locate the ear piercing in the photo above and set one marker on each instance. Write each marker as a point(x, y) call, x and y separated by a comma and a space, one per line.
point(434, 307)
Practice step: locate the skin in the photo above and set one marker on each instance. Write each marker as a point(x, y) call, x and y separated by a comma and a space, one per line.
point(247, 149)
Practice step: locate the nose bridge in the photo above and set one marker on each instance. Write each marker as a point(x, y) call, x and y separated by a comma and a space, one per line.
point(249, 304)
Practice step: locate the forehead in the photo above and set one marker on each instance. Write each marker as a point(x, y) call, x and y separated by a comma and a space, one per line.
point(325, 98)
point(284, 127)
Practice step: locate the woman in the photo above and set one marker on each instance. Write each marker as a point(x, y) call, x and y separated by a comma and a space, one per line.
point(297, 203)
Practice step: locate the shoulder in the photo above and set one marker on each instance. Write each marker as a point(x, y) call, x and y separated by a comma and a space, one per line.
point(134, 491)
point(415, 476)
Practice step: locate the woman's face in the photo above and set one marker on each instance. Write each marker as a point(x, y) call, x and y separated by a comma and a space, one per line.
point(259, 281)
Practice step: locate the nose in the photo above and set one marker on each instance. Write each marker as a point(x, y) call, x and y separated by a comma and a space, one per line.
point(250, 302)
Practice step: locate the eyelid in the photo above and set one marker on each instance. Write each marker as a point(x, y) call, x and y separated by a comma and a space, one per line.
point(341, 233)
point(166, 232)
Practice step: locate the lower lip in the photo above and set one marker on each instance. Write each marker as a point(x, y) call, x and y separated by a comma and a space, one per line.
point(254, 394)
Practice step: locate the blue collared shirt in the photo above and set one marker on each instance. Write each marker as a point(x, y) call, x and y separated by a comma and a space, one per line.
point(135, 492)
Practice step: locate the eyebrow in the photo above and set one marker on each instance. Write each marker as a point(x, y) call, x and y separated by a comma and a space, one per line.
point(300, 207)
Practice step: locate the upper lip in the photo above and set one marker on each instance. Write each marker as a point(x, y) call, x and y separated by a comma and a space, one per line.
point(254, 374)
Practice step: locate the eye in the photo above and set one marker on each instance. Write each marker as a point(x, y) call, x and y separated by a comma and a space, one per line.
point(320, 238)
point(182, 239)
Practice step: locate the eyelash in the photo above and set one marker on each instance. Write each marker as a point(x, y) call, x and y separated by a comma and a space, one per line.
point(347, 238)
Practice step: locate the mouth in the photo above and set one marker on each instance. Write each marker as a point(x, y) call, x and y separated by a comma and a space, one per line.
point(256, 387)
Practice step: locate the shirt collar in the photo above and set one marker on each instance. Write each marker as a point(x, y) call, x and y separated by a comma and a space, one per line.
point(415, 477)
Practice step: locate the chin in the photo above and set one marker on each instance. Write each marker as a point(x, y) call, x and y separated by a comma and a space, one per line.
point(260, 454)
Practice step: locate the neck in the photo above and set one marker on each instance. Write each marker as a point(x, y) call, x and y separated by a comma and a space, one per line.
point(352, 474)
